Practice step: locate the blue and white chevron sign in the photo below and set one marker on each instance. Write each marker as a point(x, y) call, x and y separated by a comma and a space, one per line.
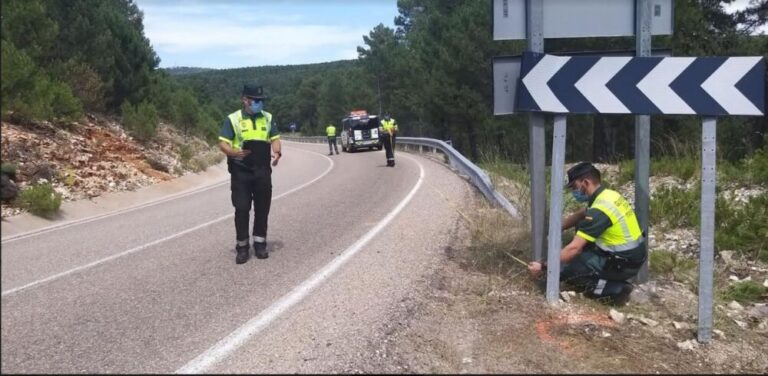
point(709, 86)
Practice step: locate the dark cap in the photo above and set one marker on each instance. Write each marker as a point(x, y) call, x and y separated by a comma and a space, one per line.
point(253, 91)
point(580, 170)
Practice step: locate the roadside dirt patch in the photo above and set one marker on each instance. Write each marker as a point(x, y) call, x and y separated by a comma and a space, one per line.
point(95, 155)
point(474, 315)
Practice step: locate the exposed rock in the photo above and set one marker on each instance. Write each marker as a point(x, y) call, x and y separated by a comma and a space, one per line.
point(734, 305)
point(643, 294)
point(759, 311)
point(741, 324)
point(616, 316)
point(43, 172)
point(95, 156)
point(688, 345)
point(727, 257)
point(742, 195)
point(643, 320)
point(682, 325)
point(565, 296)
point(719, 333)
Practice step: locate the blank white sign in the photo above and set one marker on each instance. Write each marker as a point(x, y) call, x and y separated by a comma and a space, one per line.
point(580, 18)
point(506, 74)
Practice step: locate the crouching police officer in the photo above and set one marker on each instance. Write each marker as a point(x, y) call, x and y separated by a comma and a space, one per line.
point(607, 249)
point(246, 138)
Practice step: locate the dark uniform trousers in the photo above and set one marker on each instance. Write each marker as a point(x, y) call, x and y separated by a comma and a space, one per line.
point(389, 147)
point(332, 144)
point(601, 274)
point(251, 187)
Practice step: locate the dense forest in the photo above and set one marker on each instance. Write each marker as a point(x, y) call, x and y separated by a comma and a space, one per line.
point(64, 58)
point(432, 72)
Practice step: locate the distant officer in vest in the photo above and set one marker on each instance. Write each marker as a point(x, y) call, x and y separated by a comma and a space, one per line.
point(389, 135)
point(607, 249)
point(330, 131)
point(250, 141)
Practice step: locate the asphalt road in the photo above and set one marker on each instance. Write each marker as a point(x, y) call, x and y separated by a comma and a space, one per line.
point(156, 289)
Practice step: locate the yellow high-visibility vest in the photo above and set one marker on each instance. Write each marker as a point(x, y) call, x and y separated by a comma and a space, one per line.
point(389, 126)
point(246, 130)
point(624, 233)
point(330, 131)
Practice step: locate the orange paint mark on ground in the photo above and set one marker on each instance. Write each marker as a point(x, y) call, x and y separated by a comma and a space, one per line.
point(544, 327)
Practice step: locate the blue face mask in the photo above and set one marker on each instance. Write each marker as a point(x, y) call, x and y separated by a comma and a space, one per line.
point(579, 196)
point(256, 107)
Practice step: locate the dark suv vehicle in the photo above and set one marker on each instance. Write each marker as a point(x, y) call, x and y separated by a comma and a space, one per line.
point(360, 130)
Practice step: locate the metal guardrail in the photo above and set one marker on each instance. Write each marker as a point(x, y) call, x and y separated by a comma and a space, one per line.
point(458, 162)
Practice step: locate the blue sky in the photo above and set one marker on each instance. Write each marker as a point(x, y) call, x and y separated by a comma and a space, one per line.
point(247, 33)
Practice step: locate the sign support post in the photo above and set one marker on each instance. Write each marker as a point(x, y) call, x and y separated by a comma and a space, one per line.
point(534, 12)
point(643, 135)
point(707, 229)
point(556, 209)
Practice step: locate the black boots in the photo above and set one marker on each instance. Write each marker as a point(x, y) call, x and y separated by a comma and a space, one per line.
point(260, 249)
point(622, 297)
point(242, 254)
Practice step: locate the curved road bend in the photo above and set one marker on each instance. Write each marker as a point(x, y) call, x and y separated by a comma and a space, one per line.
point(161, 302)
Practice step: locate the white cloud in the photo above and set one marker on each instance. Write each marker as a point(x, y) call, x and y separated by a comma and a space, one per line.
point(192, 30)
point(738, 5)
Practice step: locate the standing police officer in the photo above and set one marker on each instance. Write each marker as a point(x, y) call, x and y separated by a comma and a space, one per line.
point(246, 137)
point(330, 131)
point(389, 134)
point(607, 248)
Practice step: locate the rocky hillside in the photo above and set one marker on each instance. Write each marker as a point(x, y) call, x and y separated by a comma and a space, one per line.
point(85, 159)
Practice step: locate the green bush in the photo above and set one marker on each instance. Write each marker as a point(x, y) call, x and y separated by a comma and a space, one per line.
point(64, 105)
point(39, 199)
point(757, 166)
point(141, 120)
point(743, 228)
point(30, 93)
point(84, 82)
point(745, 292)
point(8, 168)
point(507, 169)
point(672, 265)
point(677, 206)
point(185, 153)
point(626, 172)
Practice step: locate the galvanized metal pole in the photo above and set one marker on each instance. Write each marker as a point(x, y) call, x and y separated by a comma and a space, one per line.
point(556, 210)
point(707, 229)
point(643, 134)
point(534, 10)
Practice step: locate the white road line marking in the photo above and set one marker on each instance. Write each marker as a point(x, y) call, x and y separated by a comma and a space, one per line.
point(236, 339)
point(174, 236)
